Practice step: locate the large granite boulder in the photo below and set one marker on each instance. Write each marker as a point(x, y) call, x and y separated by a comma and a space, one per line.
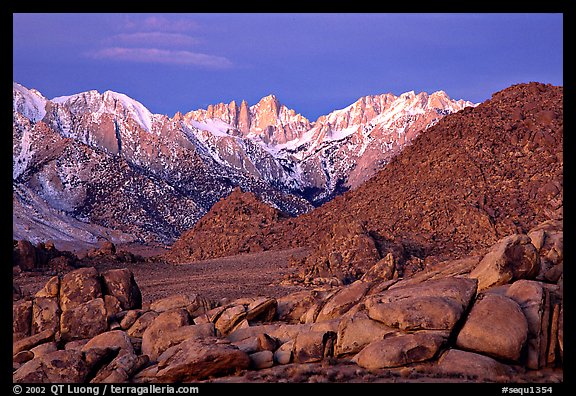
point(496, 326)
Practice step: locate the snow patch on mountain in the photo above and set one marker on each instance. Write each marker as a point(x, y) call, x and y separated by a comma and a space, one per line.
point(215, 126)
point(28, 102)
point(135, 109)
point(22, 159)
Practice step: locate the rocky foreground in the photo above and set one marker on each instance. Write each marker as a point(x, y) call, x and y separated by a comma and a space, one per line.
point(492, 317)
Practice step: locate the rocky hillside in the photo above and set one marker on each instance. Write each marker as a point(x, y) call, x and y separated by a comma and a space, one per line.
point(496, 317)
point(475, 177)
point(241, 215)
point(100, 166)
point(472, 178)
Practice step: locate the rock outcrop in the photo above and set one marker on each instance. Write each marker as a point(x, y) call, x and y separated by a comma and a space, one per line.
point(42, 257)
point(239, 223)
point(45, 257)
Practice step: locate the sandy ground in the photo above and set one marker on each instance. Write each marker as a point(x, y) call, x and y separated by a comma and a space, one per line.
point(230, 277)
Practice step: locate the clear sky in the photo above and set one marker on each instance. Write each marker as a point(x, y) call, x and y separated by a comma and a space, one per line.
point(313, 63)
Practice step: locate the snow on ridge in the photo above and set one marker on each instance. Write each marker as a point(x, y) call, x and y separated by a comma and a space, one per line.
point(135, 109)
point(140, 113)
point(409, 103)
point(215, 126)
point(28, 102)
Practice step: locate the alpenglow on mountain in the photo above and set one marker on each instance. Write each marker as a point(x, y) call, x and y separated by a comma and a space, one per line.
point(97, 166)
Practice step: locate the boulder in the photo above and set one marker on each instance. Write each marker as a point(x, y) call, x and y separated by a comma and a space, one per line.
point(121, 284)
point(266, 342)
point(513, 257)
point(142, 323)
point(30, 342)
point(194, 304)
point(76, 344)
point(473, 366)
point(22, 357)
point(163, 324)
point(114, 338)
point(25, 256)
point(311, 314)
point(230, 318)
point(55, 367)
point(293, 306)
point(44, 349)
point(261, 342)
point(113, 307)
point(357, 331)
point(171, 337)
point(253, 332)
point(211, 315)
point(553, 337)
point(21, 319)
point(128, 318)
point(197, 359)
point(121, 369)
point(436, 304)
point(343, 300)
point(96, 357)
point(78, 287)
point(283, 355)
point(561, 333)
point(401, 349)
point(495, 326)
point(107, 248)
point(45, 314)
point(313, 346)
point(51, 289)
point(261, 360)
point(16, 291)
point(262, 309)
point(124, 363)
point(531, 298)
point(384, 269)
point(85, 320)
point(548, 238)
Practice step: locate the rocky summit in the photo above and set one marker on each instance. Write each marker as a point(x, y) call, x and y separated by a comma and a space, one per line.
point(234, 215)
point(496, 317)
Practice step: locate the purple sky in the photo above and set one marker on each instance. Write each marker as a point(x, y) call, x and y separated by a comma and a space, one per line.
point(313, 63)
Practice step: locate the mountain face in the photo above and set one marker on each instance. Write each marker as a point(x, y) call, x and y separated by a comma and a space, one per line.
point(91, 165)
point(474, 177)
point(335, 153)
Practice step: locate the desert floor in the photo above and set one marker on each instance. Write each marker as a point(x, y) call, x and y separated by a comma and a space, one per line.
point(233, 277)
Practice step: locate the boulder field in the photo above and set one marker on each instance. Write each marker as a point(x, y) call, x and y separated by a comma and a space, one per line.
point(493, 317)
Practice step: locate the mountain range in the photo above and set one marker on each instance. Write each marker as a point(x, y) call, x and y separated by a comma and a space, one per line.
point(473, 178)
point(95, 166)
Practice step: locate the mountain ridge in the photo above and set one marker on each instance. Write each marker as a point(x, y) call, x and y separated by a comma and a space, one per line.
point(190, 161)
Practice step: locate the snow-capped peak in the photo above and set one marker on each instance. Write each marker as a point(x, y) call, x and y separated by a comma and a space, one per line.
point(135, 109)
point(109, 102)
point(28, 102)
